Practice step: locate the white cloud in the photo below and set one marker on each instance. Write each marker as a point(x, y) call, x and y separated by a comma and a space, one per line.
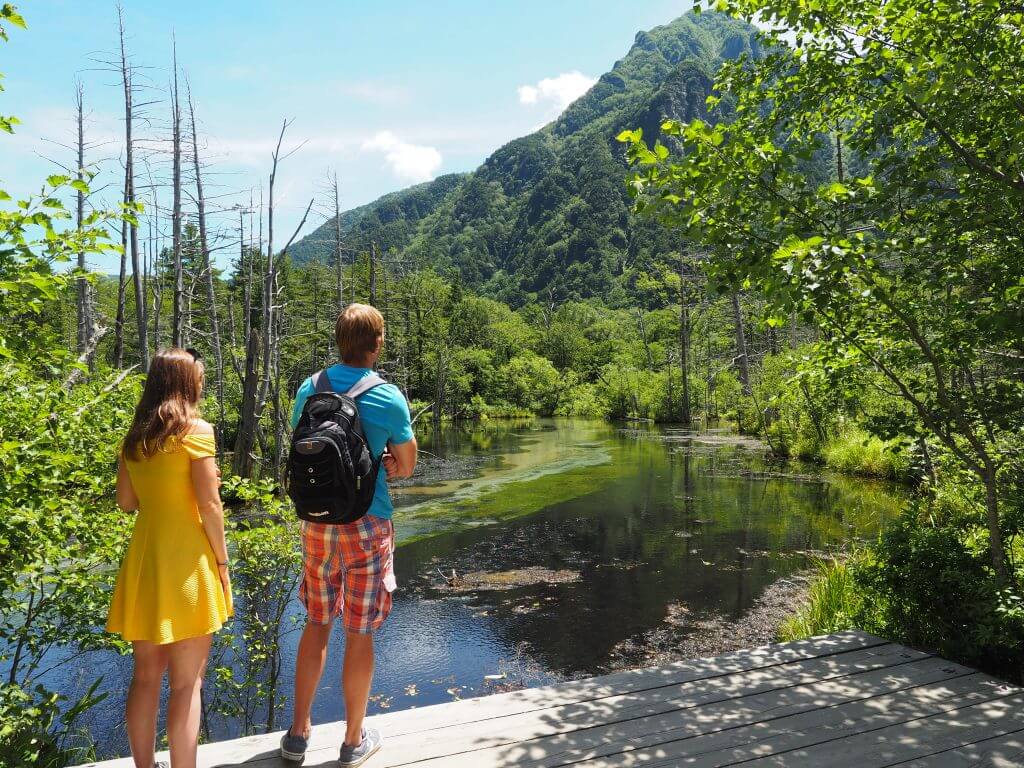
point(559, 91)
point(413, 162)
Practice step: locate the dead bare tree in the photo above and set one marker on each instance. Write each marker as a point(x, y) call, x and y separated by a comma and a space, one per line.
point(142, 324)
point(83, 297)
point(254, 396)
point(373, 273)
point(742, 357)
point(684, 340)
point(339, 275)
point(177, 322)
point(121, 277)
point(155, 258)
point(207, 266)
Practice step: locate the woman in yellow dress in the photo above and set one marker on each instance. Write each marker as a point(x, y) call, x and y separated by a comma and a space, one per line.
point(173, 590)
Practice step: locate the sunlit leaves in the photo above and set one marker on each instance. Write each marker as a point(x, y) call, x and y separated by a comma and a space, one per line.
point(908, 254)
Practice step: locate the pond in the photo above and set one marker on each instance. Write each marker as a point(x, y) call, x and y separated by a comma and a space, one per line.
point(535, 551)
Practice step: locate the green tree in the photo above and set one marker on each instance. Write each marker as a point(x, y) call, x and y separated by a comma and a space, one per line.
point(912, 266)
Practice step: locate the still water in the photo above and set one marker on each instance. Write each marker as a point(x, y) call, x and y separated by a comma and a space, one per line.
point(634, 520)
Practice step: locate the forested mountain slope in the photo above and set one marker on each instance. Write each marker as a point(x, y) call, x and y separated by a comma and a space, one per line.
point(547, 214)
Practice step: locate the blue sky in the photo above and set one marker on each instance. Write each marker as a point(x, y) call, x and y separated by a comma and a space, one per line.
point(386, 94)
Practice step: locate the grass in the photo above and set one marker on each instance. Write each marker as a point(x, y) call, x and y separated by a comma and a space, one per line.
point(831, 603)
point(855, 452)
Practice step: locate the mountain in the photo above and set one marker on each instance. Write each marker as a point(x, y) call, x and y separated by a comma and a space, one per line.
point(548, 214)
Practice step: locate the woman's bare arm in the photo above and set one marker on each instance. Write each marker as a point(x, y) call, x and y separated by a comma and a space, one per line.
point(127, 499)
point(206, 486)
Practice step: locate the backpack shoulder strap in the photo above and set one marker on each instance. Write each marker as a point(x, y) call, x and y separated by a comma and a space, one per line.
point(365, 384)
point(322, 382)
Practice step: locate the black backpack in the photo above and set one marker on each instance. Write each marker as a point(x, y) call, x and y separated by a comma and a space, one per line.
point(331, 473)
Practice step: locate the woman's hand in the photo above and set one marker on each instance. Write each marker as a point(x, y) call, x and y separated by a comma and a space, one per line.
point(225, 577)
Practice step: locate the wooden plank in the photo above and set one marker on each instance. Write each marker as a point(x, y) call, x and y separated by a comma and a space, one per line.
point(921, 737)
point(449, 740)
point(469, 711)
point(591, 689)
point(456, 738)
point(1006, 751)
point(787, 741)
point(735, 722)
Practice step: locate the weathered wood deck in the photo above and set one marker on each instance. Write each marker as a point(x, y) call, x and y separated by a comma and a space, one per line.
point(848, 699)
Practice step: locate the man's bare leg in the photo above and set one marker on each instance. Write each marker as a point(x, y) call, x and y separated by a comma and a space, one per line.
point(309, 667)
point(356, 679)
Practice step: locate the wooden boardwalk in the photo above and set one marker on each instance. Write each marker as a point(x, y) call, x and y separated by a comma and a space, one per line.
point(844, 700)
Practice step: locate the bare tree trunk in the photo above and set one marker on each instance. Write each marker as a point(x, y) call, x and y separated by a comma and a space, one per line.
point(439, 384)
point(122, 272)
point(245, 439)
point(314, 358)
point(339, 275)
point(85, 320)
point(406, 348)
point(684, 342)
point(207, 265)
point(155, 260)
point(742, 362)
point(643, 338)
point(279, 418)
point(247, 262)
point(141, 323)
point(253, 403)
point(269, 282)
point(241, 462)
point(179, 277)
point(373, 273)
point(997, 552)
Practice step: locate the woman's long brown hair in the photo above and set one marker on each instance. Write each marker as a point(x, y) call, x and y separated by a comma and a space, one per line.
point(169, 403)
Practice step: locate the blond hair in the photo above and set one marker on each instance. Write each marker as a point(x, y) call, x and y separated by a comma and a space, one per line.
point(358, 332)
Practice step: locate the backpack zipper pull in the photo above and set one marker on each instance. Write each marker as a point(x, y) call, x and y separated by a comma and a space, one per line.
point(359, 482)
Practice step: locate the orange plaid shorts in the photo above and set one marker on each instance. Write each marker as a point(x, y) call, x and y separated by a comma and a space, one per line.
point(349, 569)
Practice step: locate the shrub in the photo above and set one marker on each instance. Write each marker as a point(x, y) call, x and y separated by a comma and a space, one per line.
point(932, 587)
point(927, 585)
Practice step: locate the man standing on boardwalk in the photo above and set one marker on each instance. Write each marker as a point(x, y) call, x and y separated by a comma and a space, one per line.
point(349, 568)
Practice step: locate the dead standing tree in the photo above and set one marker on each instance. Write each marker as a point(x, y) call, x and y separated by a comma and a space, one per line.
point(177, 321)
point(338, 272)
point(684, 340)
point(88, 333)
point(742, 357)
point(142, 324)
point(255, 392)
point(84, 313)
point(207, 267)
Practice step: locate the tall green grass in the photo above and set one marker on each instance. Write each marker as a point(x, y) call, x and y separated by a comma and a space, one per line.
point(854, 451)
point(831, 604)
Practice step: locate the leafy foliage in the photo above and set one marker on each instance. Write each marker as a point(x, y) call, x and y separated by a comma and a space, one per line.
point(911, 267)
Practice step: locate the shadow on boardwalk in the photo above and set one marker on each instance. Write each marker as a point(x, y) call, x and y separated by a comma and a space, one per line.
point(844, 700)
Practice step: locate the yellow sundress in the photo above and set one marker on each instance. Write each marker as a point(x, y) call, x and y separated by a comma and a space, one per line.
point(168, 588)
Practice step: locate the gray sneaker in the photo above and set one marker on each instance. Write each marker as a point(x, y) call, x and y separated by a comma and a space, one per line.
point(350, 756)
point(293, 748)
point(161, 764)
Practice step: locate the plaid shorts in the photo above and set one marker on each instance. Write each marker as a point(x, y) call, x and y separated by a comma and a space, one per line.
point(349, 569)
